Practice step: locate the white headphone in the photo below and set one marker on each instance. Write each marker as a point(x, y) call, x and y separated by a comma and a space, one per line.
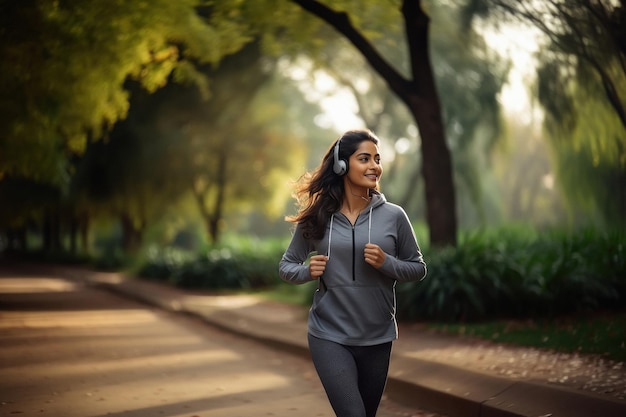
point(339, 166)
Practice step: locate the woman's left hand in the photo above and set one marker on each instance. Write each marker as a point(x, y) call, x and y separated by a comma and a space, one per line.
point(374, 255)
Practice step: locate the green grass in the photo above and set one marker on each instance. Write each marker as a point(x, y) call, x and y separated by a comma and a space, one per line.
point(602, 334)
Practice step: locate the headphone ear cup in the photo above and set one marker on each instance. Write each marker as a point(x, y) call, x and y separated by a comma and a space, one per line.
point(339, 165)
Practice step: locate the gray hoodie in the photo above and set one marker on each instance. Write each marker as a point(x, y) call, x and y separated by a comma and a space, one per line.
point(355, 303)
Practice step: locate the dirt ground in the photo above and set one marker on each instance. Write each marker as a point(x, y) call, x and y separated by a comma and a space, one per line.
point(584, 372)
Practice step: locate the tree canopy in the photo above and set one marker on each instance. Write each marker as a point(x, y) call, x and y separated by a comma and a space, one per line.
point(65, 64)
point(586, 37)
point(142, 104)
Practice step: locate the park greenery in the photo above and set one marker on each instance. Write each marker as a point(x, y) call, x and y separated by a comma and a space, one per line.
point(551, 291)
point(493, 274)
point(163, 138)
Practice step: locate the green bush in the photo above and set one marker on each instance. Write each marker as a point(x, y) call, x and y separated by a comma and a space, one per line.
point(240, 264)
point(505, 273)
point(164, 264)
point(518, 275)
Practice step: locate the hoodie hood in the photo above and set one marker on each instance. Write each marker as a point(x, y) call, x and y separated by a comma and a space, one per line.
point(378, 199)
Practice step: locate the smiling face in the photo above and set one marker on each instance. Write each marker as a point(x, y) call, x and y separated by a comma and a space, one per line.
point(364, 167)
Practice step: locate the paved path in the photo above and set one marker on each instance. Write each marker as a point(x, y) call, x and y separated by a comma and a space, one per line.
point(70, 350)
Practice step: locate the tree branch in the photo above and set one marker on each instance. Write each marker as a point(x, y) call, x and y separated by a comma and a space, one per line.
point(340, 21)
point(416, 27)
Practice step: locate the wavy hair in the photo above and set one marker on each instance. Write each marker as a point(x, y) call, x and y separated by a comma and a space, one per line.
point(320, 193)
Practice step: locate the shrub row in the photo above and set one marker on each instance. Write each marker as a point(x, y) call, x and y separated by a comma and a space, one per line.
point(507, 275)
point(501, 274)
point(221, 268)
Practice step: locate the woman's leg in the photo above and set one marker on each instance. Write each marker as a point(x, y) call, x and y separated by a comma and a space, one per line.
point(353, 377)
point(373, 367)
point(337, 369)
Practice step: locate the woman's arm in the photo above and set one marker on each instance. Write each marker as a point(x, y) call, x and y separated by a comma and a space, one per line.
point(292, 267)
point(409, 263)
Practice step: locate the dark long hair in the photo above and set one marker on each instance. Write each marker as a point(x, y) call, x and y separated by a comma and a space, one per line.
point(320, 193)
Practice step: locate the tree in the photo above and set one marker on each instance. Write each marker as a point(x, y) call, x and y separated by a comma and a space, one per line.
point(22, 201)
point(78, 49)
point(65, 64)
point(63, 75)
point(470, 77)
point(287, 31)
point(590, 161)
point(581, 85)
point(229, 155)
point(175, 142)
point(587, 38)
point(419, 93)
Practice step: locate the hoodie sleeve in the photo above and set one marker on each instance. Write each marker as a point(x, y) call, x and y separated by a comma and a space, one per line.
point(409, 263)
point(292, 266)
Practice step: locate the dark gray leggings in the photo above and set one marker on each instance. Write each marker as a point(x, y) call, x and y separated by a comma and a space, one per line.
point(353, 377)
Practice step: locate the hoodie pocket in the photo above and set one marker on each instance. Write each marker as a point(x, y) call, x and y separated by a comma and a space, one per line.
point(360, 312)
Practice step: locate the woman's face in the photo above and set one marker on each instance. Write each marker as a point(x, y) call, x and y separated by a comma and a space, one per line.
point(365, 168)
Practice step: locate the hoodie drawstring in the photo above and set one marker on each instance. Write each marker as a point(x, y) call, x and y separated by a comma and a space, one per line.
point(330, 233)
point(369, 227)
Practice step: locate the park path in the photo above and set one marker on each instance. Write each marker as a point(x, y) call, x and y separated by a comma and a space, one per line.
point(71, 350)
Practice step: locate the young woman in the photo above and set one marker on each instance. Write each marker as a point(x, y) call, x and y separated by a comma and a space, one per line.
point(358, 246)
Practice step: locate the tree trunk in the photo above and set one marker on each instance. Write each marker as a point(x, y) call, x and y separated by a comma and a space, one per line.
point(421, 97)
point(79, 233)
point(222, 179)
point(73, 231)
point(212, 213)
point(51, 230)
point(84, 232)
point(422, 100)
point(437, 174)
point(132, 235)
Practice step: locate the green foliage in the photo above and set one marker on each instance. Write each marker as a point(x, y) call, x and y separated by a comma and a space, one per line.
point(505, 273)
point(580, 85)
point(519, 275)
point(65, 65)
point(597, 148)
point(244, 264)
point(176, 144)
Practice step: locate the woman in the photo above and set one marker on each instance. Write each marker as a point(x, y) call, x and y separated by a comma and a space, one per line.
point(359, 246)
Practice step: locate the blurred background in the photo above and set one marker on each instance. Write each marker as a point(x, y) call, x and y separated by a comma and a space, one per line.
point(163, 138)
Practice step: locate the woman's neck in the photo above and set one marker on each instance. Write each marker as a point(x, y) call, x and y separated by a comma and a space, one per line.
point(355, 200)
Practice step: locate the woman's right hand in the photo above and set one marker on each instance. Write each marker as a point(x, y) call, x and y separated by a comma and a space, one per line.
point(317, 265)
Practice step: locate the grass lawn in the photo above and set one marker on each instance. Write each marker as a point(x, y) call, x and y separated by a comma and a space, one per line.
point(603, 334)
point(597, 333)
